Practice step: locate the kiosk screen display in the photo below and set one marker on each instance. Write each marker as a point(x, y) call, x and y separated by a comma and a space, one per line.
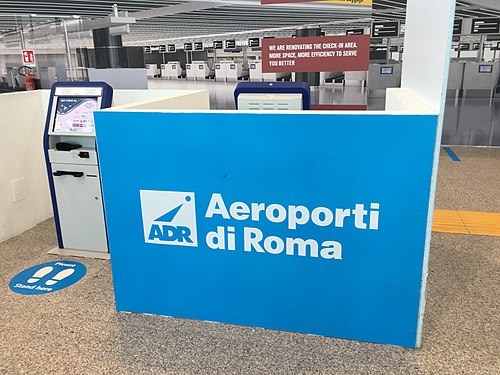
point(386, 70)
point(253, 66)
point(75, 115)
point(485, 68)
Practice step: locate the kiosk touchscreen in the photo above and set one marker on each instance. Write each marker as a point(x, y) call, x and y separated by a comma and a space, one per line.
point(74, 115)
point(72, 165)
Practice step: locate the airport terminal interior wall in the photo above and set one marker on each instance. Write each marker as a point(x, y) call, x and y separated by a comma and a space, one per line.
point(24, 192)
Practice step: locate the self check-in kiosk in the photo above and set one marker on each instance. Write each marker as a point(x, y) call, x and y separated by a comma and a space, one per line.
point(72, 164)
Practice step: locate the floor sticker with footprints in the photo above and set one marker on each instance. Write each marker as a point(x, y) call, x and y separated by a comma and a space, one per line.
point(47, 277)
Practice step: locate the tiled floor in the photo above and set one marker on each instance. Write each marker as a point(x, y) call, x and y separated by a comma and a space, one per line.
point(78, 331)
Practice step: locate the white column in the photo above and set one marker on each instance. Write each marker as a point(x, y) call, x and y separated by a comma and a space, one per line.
point(426, 62)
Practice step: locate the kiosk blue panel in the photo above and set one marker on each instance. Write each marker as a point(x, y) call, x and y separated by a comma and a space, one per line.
point(308, 222)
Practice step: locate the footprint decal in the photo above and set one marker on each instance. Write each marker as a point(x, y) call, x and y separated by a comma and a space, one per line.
point(61, 275)
point(42, 272)
point(47, 277)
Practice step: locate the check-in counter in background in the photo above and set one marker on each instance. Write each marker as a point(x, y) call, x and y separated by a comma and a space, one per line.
point(481, 78)
point(190, 72)
point(171, 70)
point(355, 79)
point(152, 70)
point(256, 75)
point(230, 71)
point(384, 76)
point(220, 71)
point(201, 70)
point(455, 78)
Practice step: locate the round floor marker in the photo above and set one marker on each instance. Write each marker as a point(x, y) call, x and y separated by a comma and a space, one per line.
point(47, 277)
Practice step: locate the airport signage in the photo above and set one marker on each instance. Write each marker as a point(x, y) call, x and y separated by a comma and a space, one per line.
point(385, 29)
point(316, 54)
point(162, 48)
point(355, 32)
point(171, 48)
point(275, 235)
point(155, 48)
point(486, 26)
point(188, 46)
point(147, 49)
point(218, 44)
point(29, 57)
point(230, 44)
point(254, 42)
point(337, 2)
point(457, 27)
point(198, 46)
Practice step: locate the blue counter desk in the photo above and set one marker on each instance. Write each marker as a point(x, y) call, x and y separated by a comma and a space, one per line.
point(306, 222)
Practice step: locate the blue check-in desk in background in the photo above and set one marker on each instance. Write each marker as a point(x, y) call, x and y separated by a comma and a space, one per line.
point(313, 222)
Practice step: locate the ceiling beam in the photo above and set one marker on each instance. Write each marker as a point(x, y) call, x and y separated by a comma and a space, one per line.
point(175, 9)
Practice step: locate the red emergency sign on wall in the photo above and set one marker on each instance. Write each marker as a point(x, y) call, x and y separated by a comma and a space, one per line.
point(316, 54)
point(28, 57)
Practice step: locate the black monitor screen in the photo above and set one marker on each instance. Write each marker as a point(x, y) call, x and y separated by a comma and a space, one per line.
point(253, 66)
point(254, 42)
point(232, 66)
point(218, 44)
point(171, 48)
point(188, 67)
point(188, 46)
point(174, 66)
point(485, 68)
point(200, 67)
point(386, 70)
point(217, 66)
point(464, 46)
point(75, 115)
point(198, 46)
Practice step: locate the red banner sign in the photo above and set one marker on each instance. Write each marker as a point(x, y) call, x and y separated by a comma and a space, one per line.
point(316, 54)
